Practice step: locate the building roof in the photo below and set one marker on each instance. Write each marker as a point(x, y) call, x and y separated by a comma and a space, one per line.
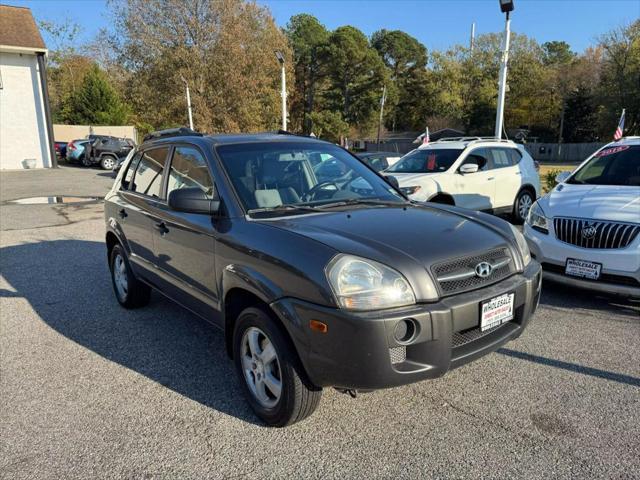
point(18, 29)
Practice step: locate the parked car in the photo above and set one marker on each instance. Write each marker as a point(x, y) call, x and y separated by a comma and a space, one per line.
point(106, 151)
point(60, 149)
point(586, 231)
point(76, 150)
point(379, 160)
point(481, 174)
point(312, 284)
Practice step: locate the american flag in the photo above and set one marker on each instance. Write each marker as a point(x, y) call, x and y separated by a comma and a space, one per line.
point(620, 130)
point(426, 139)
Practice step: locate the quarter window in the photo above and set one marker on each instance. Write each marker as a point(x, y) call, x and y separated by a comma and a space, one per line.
point(131, 168)
point(501, 158)
point(189, 169)
point(148, 177)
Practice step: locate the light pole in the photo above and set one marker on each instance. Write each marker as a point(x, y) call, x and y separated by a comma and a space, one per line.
point(382, 101)
point(283, 93)
point(506, 6)
point(188, 101)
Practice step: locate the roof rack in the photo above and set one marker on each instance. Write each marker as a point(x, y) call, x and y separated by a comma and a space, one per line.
point(172, 132)
point(471, 140)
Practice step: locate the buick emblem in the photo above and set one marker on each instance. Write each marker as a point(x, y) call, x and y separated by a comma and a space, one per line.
point(483, 269)
point(589, 232)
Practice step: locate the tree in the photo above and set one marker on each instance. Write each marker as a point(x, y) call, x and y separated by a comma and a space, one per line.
point(307, 36)
point(329, 125)
point(95, 102)
point(356, 75)
point(223, 49)
point(557, 53)
point(620, 79)
point(406, 58)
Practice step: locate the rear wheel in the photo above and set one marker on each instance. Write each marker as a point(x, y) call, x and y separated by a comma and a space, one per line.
point(108, 162)
point(130, 292)
point(521, 207)
point(86, 161)
point(269, 371)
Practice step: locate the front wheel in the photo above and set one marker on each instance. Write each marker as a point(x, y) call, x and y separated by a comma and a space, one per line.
point(269, 371)
point(86, 161)
point(521, 207)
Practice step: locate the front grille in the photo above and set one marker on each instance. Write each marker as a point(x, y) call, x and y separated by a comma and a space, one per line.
point(586, 233)
point(462, 338)
point(447, 269)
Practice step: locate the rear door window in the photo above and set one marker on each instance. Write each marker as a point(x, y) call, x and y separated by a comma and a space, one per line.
point(148, 176)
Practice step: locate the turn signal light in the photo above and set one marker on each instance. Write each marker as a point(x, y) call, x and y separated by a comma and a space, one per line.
point(318, 326)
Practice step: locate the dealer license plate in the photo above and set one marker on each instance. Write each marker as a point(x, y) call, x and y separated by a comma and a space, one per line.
point(496, 311)
point(583, 269)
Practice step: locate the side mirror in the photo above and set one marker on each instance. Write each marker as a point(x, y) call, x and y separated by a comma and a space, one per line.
point(392, 180)
point(562, 177)
point(193, 200)
point(468, 168)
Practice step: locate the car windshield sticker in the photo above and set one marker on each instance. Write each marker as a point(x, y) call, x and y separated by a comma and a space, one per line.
point(611, 151)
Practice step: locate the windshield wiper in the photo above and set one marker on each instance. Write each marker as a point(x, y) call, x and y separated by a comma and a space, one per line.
point(361, 201)
point(285, 208)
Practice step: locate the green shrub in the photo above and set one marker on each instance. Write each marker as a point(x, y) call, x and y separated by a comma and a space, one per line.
point(550, 179)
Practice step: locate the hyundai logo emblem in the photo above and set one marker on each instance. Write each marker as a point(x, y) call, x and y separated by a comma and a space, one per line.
point(483, 269)
point(589, 232)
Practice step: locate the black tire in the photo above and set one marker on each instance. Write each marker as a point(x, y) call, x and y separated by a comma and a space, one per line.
point(524, 199)
point(86, 161)
point(108, 162)
point(136, 294)
point(298, 398)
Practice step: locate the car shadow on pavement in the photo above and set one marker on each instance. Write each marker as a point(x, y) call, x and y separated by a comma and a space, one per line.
point(562, 296)
point(67, 283)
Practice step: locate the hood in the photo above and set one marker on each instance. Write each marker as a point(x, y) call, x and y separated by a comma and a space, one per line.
point(598, 202)
point(410, 239)
point(410, 179)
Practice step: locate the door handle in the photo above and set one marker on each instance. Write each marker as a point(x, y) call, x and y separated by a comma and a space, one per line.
point(161, 227)
point(122, 213)
point(491, 178)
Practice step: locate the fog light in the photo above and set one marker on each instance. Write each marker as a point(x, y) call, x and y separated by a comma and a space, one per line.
point(405, 330)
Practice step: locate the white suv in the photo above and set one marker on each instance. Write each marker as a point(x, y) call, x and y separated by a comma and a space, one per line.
point(482, 174)
point(586, 231)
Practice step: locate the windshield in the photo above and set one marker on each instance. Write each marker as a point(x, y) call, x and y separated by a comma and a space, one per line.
point(277, 175)
point(618, 165)
point(429, 160)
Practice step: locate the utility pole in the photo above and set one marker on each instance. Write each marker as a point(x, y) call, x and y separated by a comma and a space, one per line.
point(382, 100)
point(188, 102)
point(472, 42)
point(507, 7)
point(283, 92)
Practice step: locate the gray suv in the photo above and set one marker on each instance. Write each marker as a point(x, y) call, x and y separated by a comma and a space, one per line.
point(338, 283)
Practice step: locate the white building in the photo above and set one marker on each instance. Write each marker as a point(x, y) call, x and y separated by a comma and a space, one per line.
point(25, 120)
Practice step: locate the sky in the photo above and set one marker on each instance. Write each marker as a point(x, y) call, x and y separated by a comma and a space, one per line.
point(438, 24)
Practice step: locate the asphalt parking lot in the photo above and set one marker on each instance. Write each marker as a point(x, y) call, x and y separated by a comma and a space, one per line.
point(90, 390)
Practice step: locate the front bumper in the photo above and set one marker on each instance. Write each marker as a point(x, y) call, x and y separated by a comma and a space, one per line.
point(357, 350)
point(620, 273)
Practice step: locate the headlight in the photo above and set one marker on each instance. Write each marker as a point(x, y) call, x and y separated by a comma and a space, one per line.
point(536, 219)
point(522, 245)
point(410, 190)
point(361, 284)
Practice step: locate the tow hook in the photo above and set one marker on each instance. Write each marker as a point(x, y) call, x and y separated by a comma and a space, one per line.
point(348, 391)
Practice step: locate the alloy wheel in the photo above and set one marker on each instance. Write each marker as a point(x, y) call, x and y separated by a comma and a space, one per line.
point(120, 277)
point(524, 205)
point(261, 367)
